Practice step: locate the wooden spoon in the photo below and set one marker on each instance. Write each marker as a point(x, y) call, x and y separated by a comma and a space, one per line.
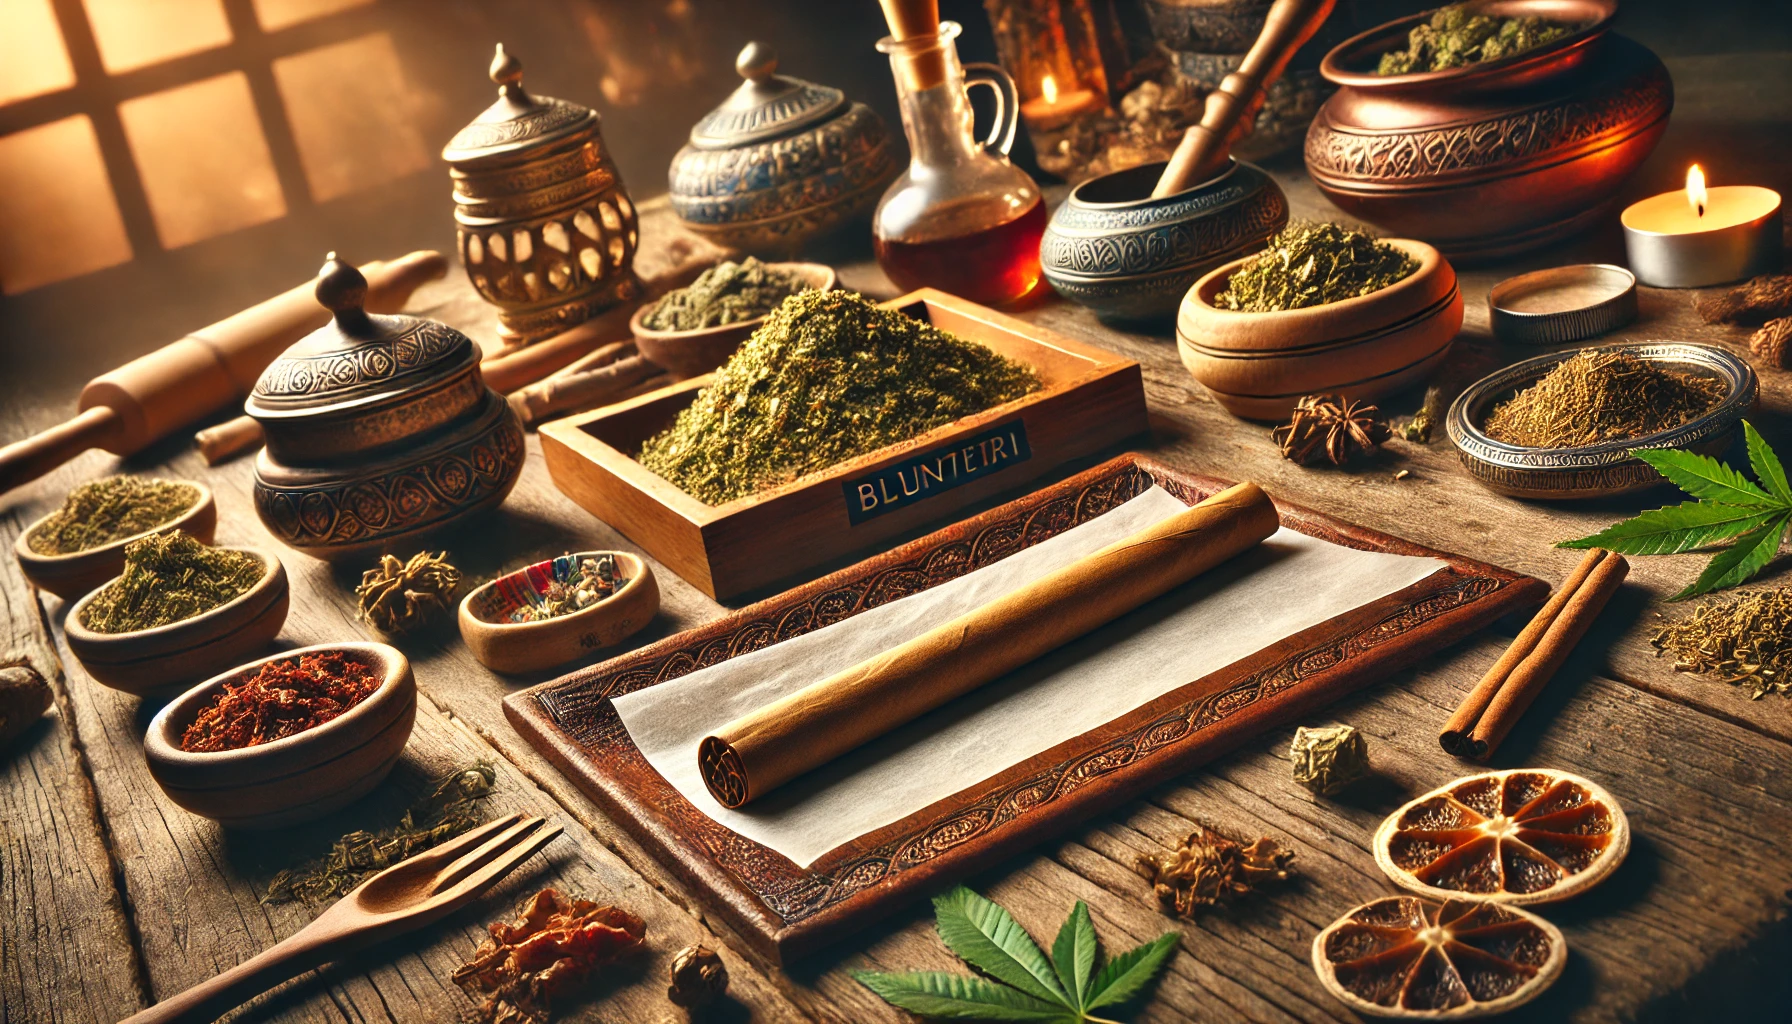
point(402, 898)
point(1231, 110)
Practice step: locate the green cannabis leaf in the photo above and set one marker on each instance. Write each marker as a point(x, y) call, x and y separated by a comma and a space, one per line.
point(1726, 506)
point(1060, 989)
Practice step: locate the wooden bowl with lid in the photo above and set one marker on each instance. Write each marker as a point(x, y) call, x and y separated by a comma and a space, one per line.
point(71, 575)
point(295, 778)
point(689, 354)
point(1257, 365)
point(145, 660)
point(505, 646)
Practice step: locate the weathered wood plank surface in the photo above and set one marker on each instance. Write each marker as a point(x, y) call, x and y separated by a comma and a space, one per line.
point(110, 896)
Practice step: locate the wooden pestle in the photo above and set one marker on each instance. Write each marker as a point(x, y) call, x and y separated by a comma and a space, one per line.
point(917, 19)
point(1231, 110)
point(127, 409)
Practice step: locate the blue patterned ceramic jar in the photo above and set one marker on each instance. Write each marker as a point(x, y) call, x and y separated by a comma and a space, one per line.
point(781, 161)
point(1130, 258)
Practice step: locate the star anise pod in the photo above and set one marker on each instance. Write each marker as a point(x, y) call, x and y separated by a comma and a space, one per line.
point(1330, 426)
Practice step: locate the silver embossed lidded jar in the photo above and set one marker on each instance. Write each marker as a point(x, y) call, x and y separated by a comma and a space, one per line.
point(547, 231)
point(781, 161)
point(380, 429)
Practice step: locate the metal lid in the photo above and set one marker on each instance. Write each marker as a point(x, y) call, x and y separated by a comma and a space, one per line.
point(518, 121)
point(1562, 304)
point(766, 105)
point(358, 359)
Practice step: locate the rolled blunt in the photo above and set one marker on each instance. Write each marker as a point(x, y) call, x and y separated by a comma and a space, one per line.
point(761, 751)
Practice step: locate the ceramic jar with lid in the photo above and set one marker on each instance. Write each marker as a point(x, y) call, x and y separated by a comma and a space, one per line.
point(781, 161)
point(380, 429)
point(547, 231)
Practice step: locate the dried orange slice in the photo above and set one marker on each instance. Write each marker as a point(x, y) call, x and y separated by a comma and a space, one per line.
point(1402, 956)
point(1529, 835)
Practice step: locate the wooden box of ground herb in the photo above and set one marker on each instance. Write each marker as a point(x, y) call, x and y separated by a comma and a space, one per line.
point(1082, 400)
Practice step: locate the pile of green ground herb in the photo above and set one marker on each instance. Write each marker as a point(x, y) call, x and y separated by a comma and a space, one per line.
point(1745, 640)
point(828, 376)
point(450, 808)
point(1601, 396)
point(727, 293)
point(1455, 36)
point(103, 511)
point(167, 578)
point(1313, 264)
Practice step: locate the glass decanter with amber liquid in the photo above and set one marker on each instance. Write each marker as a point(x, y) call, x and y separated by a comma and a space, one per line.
point(961, 218)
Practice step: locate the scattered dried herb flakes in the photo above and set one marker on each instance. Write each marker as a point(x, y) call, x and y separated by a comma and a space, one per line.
point(168, 578)
point(1330, 427)
point(828, 376)
point(726, 293)
point(1601, 395)
point(451, 807)
point(1210, 868)
point(1455, 36)
point(24, 696)
point(400, 597)
point(554, 947)
point(1329, 758)
point(1745, 640)
point(98, 513)
point(1311, 265)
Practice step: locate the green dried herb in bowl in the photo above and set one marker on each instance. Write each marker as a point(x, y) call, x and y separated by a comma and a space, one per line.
point(727, 293)
point(829, 376)
point(96, 514)
point(168, 578)
point(1311, 265)
point(1456, 36)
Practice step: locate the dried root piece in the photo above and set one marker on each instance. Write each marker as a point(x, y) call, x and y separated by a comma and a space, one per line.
point(1210, 868)
point(1751, 303)
point(1770, 342)
point(399, 597)
point(24, 696)
point(1329, 758)
point(1329, 426)
point(698, 977)
point(555, 945)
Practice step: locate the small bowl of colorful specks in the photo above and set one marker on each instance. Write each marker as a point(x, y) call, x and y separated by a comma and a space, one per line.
point(558, 610)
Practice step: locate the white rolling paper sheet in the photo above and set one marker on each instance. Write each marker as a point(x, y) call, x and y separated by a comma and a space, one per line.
point(1288, 583)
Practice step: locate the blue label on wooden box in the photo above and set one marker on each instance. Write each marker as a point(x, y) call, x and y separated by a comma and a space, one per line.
point(937, 469)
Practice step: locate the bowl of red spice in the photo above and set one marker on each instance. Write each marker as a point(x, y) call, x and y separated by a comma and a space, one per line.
point(81, 544)
point(287, 738)
point(558, 610)
point(181, 610)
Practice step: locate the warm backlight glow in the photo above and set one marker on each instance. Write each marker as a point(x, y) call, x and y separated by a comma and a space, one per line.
point(1695, 189)
point(1048, 88)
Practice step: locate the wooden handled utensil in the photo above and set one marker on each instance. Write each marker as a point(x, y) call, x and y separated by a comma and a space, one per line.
point(152, 396)
point(402, 898)
point(1231, 110)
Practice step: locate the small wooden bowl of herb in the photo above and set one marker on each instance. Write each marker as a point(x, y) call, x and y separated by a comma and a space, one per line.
point(1323, 310)
point(81, 545)
point(1564, 425)
point(695, 329)
point(286, 738)
point(558, 610)
point(179, 611)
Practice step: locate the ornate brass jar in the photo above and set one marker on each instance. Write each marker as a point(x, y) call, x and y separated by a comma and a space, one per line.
point(547, 231)
point(781, 161)
point(379, 429)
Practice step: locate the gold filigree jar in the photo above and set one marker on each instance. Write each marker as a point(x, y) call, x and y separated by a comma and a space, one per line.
point(380, 429)
point(781, 161)
point(547, 231)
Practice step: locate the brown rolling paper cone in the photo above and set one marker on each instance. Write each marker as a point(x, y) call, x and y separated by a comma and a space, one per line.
point(755, 754)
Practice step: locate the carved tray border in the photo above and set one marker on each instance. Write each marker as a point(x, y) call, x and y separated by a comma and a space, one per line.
point(786, 911)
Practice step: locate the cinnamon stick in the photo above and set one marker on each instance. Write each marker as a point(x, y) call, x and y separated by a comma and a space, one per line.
point(1494, 706)
point(758, 752)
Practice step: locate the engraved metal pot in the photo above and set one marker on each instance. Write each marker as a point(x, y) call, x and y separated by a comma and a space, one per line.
point(547, 231)
point(1132, 259)
point(1486, 160)
point(380, 429)
point(780, 162)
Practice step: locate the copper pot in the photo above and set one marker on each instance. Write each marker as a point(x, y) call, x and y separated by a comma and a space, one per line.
point(1490, 159)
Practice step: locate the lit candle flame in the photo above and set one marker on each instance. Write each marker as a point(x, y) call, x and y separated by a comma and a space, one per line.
point(1695, 189)
point(1048, 87)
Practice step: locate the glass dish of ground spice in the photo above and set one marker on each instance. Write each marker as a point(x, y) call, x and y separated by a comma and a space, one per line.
point(168, 578)
point(282, 699)
point(1602, 395)
point(99, 513)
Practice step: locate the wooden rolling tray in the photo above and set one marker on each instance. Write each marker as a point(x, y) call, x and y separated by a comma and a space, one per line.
point(1091, 399)
point(787, 911)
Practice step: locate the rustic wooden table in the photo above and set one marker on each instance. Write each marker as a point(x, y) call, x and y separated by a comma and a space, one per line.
point(112, 898)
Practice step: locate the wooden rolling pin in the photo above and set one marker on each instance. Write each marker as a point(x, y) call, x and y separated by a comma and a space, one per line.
point(1231, 110)
point(154, 395)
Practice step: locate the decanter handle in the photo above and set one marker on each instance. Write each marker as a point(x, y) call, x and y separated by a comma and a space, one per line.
point(1007, 103)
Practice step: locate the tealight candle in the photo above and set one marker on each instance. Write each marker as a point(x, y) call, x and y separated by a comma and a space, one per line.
point(1702, 236)
point(1051, 109)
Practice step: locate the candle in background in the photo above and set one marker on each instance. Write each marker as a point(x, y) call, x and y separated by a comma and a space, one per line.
point(1703, 236)
point(1051, 109)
